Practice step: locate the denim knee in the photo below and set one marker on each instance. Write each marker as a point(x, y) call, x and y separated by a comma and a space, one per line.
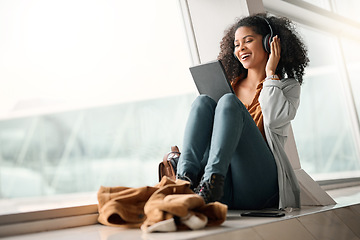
point(230, 101)
point(203, 101)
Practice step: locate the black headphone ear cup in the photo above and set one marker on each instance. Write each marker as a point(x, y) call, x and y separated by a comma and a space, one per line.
point(266, 43)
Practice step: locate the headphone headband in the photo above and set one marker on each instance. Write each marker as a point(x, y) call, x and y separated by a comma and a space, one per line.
point(268, 23)
point(268, 38)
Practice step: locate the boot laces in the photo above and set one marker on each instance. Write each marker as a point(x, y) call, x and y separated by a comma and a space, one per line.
point(205, 191)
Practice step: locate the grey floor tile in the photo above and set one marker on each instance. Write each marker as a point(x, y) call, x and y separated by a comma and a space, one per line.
point(327, 225)
point(284, 230)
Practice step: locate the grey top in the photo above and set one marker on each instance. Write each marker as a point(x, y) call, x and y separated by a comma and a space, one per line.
point(279, 101)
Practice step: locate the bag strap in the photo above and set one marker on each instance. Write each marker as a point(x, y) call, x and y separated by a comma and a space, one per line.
point(174, 153)
point(175, 149)
point(166, 168)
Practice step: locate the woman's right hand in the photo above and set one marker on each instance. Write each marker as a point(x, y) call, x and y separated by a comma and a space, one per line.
point(274, 56)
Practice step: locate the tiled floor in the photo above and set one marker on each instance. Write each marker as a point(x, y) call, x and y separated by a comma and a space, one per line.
point(338, 222)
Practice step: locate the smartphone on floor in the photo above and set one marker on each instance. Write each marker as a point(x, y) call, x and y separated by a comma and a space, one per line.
point(262, 214)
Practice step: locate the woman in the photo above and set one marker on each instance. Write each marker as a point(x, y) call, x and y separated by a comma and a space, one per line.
point(233, 151)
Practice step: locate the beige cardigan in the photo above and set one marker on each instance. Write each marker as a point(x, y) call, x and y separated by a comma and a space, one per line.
point(279, 101)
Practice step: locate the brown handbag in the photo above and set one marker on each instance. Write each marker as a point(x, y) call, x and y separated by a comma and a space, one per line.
point(169, 164)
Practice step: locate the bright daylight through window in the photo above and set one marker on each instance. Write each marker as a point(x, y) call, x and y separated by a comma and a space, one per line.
point(322, 128)
point(93, 93)
point(327, 124)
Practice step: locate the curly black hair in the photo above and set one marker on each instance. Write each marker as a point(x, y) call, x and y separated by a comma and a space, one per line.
point(293, 59)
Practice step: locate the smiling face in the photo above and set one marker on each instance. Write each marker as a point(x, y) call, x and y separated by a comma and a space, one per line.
point(249, 49)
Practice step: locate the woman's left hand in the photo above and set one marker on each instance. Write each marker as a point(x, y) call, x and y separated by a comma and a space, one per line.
point(274, 56)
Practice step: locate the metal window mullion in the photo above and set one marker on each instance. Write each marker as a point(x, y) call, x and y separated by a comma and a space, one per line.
point(189, 31)
point(68, 147)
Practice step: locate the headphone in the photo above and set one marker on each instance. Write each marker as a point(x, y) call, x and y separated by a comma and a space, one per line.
point(267, 39)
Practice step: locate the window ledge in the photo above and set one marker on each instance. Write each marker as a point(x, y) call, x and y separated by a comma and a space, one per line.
point(339, 183)
point(233, 228)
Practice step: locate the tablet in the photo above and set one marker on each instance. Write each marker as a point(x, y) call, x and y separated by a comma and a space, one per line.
point(210, 79)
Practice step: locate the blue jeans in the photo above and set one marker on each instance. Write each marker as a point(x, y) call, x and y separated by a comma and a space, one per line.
point(223, 138)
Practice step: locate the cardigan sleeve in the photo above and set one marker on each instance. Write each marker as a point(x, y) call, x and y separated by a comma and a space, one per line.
point(279, 101)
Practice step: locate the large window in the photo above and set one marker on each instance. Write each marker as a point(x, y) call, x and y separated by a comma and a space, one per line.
point(323, 129)
point(326, 127)
point(92, 93)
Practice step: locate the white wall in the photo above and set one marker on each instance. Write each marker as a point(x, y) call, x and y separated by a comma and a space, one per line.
point(209, 19)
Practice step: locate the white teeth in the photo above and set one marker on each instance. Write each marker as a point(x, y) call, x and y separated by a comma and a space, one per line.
point(244, 56)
